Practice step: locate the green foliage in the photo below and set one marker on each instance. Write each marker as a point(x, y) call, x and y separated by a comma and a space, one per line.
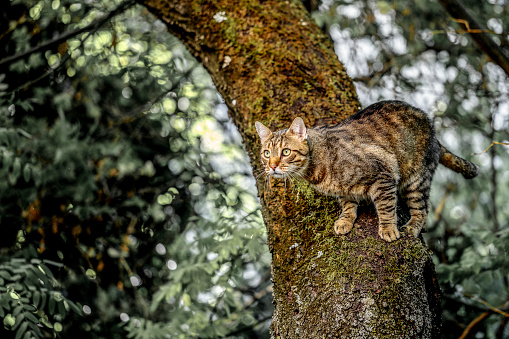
point(146, 329)
point(30, 304)
point(122, 167)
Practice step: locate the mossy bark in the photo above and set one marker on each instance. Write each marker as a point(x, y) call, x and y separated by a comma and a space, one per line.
point(271, 63)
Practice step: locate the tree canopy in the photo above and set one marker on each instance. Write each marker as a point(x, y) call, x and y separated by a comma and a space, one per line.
point(128, 207)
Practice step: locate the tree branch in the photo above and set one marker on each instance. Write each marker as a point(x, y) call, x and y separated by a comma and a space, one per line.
point(67, 35)
point(478, 34)
point(472, 324)
point(499, 309)
point(492, 144)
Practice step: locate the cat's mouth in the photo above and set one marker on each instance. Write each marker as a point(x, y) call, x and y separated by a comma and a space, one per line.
point(277, 173)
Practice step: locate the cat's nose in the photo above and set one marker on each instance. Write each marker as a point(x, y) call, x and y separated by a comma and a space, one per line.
point(273, 167)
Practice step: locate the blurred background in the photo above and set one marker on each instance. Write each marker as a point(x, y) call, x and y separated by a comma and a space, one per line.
point(128, 205)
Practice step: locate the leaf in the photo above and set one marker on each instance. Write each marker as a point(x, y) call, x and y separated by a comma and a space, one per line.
point(384, 7)
point(51, 306)
point(46, 323)
point(9, 320)
point(21, 330)
point(58, 327)
point(15, 172)
point(31, 317)
point(44, 297)
point(74, 307)
point(90, 273)
point(14, 295)
point(164, 199)
point(47, 271)
point(36, 329)
point(29, 308)
point(27, 171)
point(186, 299)
point(5, 275)
point(19, 320)
point(61, 309)
point(36, 175)
point(39, 272)
point(36, 298)
point(54, 263)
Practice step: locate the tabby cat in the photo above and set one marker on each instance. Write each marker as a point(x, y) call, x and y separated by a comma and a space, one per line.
point(385, 149)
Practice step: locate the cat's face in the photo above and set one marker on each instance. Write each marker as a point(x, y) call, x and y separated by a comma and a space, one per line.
point(284, 153)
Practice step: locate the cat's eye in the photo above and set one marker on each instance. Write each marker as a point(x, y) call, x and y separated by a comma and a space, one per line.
point(286, 152)
point(266, 154)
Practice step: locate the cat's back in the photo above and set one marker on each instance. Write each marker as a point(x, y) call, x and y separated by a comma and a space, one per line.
point(388, 115)
point(393, 131)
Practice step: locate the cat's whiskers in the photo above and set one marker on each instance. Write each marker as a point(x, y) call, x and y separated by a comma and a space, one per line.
point(260, 174)
point(295, 179)
point(296, 172)
point(291, 180)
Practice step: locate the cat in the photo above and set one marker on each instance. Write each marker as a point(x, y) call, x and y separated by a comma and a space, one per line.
point(385, 149)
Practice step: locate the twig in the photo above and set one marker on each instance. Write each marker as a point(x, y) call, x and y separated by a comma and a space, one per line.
point(476, 31)
point(492, 144)
point(137, 294)
point(20, 21)
point(438, 211)
point(39, 78)
point(485, 303)
point(63, 37)
point(468, 29)
point(474, 322)
point(97, 25)
point(483, 315)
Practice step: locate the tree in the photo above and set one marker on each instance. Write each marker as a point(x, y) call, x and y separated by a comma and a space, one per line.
point(271, 63)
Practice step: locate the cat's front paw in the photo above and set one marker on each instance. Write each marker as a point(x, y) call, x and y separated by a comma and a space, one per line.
point(389, 234)
point(343, 226)
point(412, 230)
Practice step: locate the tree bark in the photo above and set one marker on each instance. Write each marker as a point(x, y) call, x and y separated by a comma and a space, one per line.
point(271, 63)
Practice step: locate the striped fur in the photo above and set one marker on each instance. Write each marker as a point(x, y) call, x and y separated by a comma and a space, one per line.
point(385, 149)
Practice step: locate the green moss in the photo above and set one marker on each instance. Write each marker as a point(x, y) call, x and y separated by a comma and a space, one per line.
point(379, 277)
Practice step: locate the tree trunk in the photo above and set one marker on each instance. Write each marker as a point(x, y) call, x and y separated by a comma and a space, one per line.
point(271, 63)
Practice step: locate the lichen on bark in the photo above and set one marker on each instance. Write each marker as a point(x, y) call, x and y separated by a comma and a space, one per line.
point(271, 63)
point(353, 286)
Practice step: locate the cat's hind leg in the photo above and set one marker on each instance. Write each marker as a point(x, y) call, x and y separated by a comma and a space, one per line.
point(384, 196)
point(416, 196)
point(348, 215)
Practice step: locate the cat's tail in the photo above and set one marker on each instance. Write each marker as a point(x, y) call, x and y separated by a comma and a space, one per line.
point(457, 164)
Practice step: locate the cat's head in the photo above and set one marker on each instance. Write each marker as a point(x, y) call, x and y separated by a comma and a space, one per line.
point(284, 153)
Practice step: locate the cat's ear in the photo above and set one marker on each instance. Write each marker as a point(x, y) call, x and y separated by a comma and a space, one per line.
point(263, 131)
point(298, 129)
